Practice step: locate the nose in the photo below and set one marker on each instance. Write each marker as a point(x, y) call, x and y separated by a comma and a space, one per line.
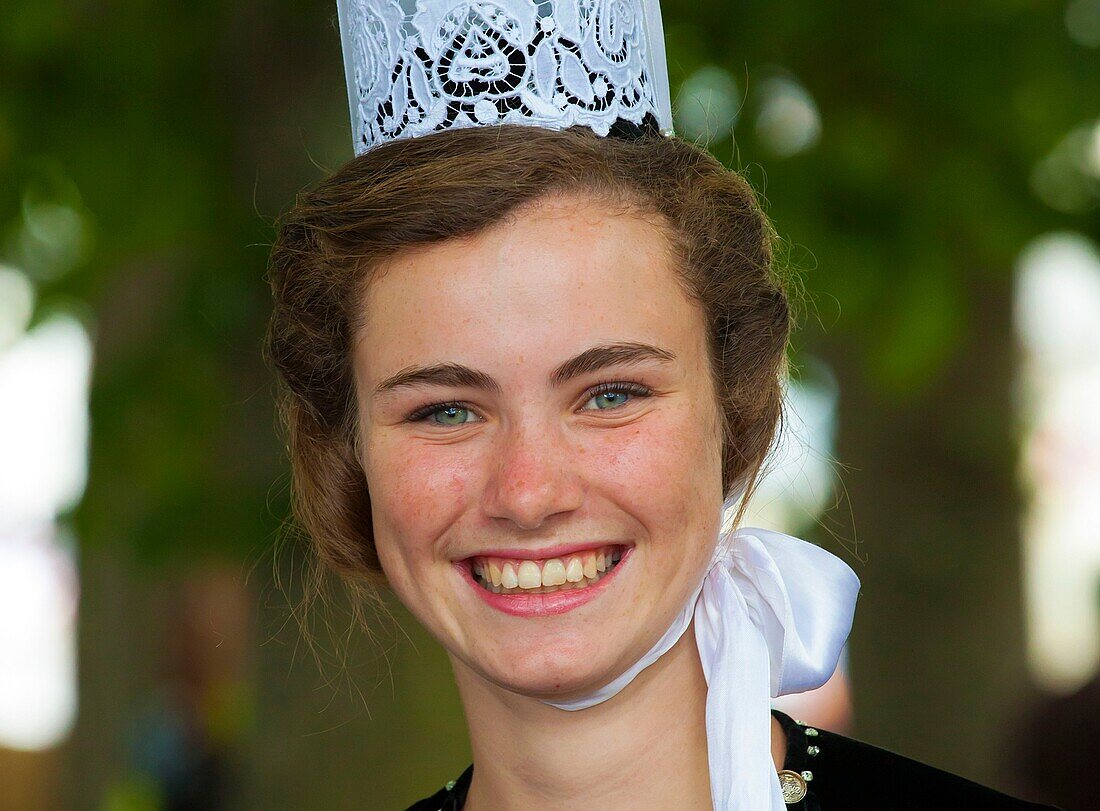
point(535, 478)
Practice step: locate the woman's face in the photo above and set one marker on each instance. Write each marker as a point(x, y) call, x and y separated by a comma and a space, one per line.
point(540, 440)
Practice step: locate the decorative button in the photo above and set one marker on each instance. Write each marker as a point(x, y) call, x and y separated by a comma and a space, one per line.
point(811, 732)
point(812, 750)
point(793, 786)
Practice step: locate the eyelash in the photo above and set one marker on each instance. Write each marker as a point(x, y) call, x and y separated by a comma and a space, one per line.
point(622, 387)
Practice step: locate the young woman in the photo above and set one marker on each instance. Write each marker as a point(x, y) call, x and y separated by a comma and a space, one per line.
point(525, 369)
point(533, 344)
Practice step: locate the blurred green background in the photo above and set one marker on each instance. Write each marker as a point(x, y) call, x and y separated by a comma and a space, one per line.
point(909, 153)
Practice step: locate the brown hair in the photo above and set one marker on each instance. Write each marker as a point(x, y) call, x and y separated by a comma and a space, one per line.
point(456, 183)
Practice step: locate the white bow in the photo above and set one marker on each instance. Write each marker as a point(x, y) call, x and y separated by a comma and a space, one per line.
point(771, 617)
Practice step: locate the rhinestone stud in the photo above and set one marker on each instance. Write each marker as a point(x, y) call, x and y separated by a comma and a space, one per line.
point(811, 732)
point(812, 750)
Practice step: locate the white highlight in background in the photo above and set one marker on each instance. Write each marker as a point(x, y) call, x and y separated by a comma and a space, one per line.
point(44, 435)
point(799, 482)
point(1058, 321)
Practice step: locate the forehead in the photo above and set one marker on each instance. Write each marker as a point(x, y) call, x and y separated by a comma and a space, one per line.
point(547, 281)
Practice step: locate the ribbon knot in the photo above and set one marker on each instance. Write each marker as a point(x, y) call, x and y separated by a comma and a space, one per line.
point(771, 617)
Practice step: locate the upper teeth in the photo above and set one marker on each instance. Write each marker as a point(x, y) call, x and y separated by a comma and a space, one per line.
point(577, 570)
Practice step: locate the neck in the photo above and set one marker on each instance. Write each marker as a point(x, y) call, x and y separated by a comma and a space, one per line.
point(644, 748)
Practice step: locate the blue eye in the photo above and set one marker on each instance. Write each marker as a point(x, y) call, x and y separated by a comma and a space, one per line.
point(610, 399)
point(614, 395)
point(443, 414)
point(451, 415)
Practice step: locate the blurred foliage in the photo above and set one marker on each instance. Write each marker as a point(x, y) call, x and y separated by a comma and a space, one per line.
point(146, 148)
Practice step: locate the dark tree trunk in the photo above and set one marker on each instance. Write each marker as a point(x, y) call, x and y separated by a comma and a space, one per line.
point(937, 651)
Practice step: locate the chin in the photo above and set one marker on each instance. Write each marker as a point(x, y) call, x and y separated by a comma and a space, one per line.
point(554, 674)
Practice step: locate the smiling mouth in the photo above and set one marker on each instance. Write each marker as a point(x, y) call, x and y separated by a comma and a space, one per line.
point(545, 576)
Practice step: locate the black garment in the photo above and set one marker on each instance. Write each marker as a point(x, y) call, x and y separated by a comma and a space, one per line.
point(841, 774)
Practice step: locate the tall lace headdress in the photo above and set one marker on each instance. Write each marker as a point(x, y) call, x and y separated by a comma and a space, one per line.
point(418, 66)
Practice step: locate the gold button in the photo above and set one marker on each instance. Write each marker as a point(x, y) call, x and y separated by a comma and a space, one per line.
point(793, 786)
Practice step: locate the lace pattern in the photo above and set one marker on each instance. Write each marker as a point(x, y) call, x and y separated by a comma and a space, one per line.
point(417, 66)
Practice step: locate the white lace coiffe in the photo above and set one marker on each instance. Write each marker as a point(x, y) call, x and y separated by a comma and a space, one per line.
point(417, 66)
point(771, 617)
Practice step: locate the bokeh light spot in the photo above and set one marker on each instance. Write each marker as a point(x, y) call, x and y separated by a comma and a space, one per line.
point(707, 105)
point(788, 121)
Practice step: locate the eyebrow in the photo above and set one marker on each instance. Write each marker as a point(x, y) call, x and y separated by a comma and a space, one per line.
point(590, 360)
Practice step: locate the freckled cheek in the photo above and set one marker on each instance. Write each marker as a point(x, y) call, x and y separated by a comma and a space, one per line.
point(417, 494)
point(663, 466)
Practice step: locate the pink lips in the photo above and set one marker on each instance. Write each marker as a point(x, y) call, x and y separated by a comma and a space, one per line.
point(544, 605)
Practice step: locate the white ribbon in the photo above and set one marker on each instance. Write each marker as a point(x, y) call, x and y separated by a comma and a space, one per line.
point(771, 617)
